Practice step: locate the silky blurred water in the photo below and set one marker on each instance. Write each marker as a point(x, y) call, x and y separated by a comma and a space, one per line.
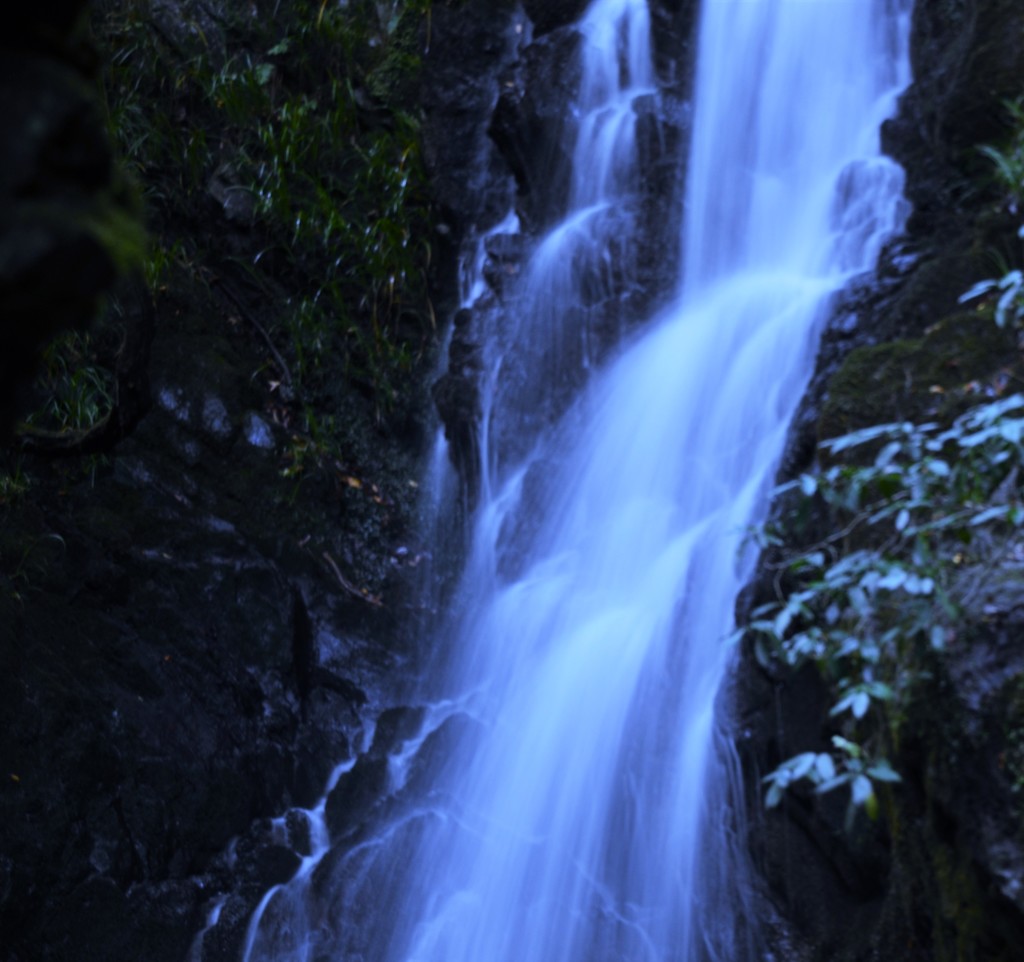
point(586, 812)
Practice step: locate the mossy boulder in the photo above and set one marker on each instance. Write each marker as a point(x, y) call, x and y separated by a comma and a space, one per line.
point(958, 361)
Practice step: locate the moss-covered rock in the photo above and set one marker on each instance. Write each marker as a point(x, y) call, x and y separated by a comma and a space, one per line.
point(959, 360)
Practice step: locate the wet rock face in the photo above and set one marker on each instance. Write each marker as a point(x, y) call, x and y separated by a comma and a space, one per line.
point(470, 47)
point(967, 57)
point(178, 663)
point(547, 15)
point(183, 621)
point(510, 103)
point(532, 128)
point(184, 602)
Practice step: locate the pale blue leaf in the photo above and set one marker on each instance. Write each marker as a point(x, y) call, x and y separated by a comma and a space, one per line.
point(893, 579)
point(825, 767)
point(989, 514)
point(800, 765)
point(982, 287)
point(861, 789)
point(882, 771)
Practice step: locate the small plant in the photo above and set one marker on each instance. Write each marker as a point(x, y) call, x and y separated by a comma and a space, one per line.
point(1009, 160)
point(1008, 163)
point(1010, 306)
point(78, 392)
point(14, 483)
point(310, 449)
point(160, 259)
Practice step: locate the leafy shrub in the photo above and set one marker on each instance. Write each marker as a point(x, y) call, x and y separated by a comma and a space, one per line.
point(873, 603)
point(78, 391)
point(1008, 160)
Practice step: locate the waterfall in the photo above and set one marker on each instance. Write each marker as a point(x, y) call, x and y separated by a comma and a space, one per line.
point(580, 800)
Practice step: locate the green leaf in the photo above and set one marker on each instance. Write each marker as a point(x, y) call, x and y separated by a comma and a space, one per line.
point(845, 745)
point(988, 413)
point(860, 602)
point(863, 436)
point(1012, 430)
point(782, 621)
point(887, 453)
point(916, 585)
point(880, 691)
point(734, 637)
point(1012, 283)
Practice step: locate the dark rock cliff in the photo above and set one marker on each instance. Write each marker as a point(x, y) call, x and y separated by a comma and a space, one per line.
point(196, 606)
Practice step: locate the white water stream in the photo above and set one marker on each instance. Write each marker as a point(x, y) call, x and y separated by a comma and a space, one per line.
point(586, 813)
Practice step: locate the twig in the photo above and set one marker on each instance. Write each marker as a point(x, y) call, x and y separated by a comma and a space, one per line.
point(348, 586)
point(225, 288)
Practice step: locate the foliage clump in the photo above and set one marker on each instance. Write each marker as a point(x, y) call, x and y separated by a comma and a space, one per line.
point(926, 517)
point(874, 603)
point(269, 118)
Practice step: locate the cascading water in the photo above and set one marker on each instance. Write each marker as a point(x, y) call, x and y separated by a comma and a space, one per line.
point(532, 352)
point(582, 810)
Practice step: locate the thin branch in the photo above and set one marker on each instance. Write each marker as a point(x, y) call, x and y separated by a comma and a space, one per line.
point(348, 586)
